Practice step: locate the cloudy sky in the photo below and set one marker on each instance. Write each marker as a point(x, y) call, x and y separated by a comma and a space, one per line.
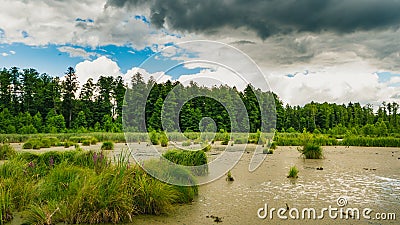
point(308, 50)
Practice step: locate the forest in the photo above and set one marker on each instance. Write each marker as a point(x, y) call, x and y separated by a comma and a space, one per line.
point(31, 103)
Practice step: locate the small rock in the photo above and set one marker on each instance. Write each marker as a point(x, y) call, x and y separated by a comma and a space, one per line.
point(320, 168)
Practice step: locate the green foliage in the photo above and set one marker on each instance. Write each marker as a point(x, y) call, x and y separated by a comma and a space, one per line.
point(189, 158)
point(5, 205)
point(154, 137)
point(226, 138)
point(86, 142)
point(293, 172)
point(163, 139)
point(311, 151)
point(107, 145)
point(205, 146)
point(6, 151)
point(229, 176)
point(187, 143)
point(371, 142)
point(66, 187)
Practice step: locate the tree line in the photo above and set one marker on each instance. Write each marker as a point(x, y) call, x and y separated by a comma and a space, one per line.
point(31, 102)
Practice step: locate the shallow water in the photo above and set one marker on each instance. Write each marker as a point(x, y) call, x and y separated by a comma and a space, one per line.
point(365, 177)
point(360, 175)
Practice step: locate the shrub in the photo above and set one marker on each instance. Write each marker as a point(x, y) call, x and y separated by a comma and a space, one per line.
point(311, 151)
point(107, 145)
point(6, 151)
point(86, 142)
point(293, 171)
point(273, 146)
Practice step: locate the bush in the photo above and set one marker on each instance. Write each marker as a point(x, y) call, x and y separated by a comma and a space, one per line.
point(86, 142)
point(293, 171)
point(6, 151)
point(107, 145)
point(311, 151)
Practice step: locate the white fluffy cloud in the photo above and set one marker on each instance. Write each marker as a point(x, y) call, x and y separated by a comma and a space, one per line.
point(101, 66)
point(354, 81)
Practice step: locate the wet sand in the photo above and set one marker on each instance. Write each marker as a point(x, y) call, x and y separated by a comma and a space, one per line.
point(366, 177)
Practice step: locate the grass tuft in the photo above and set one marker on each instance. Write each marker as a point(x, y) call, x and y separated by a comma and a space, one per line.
point(293, 172)
point(311, 151)
point(107, 145)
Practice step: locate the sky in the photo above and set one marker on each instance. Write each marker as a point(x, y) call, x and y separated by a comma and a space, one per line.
point(306, 50)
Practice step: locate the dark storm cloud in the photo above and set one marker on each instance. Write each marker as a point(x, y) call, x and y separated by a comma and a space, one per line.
point(268, 17)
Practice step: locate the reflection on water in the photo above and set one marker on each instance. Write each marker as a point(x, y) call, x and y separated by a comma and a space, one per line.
point(359, 189)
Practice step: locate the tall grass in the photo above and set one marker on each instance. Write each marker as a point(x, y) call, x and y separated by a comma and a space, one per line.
point(311, 151)
point(83, 187)
point(196, 159)
point(6, 151)
point(107, 145)
point(293, 172)
point(5, 205)
point(371, 141)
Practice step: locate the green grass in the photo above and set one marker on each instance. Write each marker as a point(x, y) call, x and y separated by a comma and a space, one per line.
point(196, 159)
point(86, 142)
point(163, 140)
point(107, 145)
point(5, 205)
point(187, 143)
point(6, 151)
point(67, 187)
point(154, 139)
point(311, 151)
point(293, 172)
